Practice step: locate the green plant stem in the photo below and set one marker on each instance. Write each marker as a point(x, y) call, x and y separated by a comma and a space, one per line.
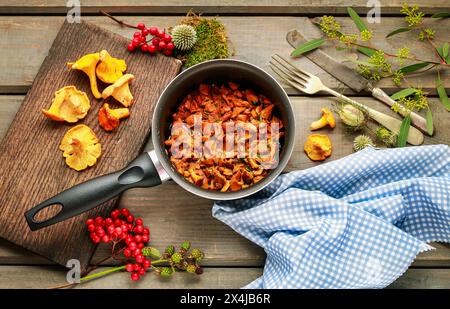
point(102, 273)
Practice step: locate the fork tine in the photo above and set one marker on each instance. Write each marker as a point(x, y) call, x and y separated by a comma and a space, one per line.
point(287, 80)
point(294, 67)
point(291, 75)
point(289, 69)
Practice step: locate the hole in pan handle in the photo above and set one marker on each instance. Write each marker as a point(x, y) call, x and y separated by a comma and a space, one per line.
point(141, 172)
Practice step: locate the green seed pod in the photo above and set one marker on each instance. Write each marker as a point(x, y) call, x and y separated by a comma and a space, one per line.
point(191, 268)
point(176, 258)
point(184, 37)
point(166, 272)
point(170, 250)
point(386, 137)
point(197, 254)
point(362, 141)
point(186, 245)
point(352, 116)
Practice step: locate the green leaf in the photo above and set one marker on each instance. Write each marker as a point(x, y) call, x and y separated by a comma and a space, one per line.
point(404, 131)
point(445, 50)
point(397, 31)
point(151, 252)
point(366, 51)
point(442, 94)
point(440, 51)
point(413, 67)
point(403, 93)
point(308, 46)
point(441, 15)
point(358, 21)
point(429, 117)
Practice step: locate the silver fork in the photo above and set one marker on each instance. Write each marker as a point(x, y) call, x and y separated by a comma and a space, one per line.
point(310, 84)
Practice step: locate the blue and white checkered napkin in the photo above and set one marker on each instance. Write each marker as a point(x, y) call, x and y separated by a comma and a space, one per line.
point(357, 222)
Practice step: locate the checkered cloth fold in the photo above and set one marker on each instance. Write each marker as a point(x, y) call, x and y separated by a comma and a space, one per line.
point(357, 222)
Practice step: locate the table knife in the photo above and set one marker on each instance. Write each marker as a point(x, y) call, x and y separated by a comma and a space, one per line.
point(344, 73)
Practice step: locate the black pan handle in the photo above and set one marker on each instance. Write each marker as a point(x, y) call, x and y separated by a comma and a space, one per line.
point(141, 172)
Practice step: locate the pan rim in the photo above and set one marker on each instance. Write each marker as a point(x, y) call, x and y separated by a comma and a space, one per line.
point(210, 194)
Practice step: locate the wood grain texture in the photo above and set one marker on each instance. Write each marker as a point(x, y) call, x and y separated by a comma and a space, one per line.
point(26, 41)
point(15, 277)
point(172, 220)
point(288, 7)
point(33, 168)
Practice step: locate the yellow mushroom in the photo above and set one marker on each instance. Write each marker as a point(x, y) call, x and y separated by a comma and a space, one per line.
point(120, 90)
point(327, 119)
point(110, 69)
point(87, 64)
point(69, 104)
point(80, 147)
point(109, 118)
point(318, 147)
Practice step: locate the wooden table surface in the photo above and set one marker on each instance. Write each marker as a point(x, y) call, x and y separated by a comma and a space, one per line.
point(257, 30)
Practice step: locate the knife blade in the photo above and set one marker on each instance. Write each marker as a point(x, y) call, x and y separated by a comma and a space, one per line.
point(343, 73)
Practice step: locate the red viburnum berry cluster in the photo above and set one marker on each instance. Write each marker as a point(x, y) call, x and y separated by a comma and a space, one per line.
point(160, 41)
point(122, 228)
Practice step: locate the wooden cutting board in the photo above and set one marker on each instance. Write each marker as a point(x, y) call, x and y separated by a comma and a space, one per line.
point(32, 167)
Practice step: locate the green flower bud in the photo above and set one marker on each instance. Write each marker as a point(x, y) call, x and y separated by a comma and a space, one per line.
point(186, 245)
point(352, 116)
point(191, 268)
point(170, 250)
point(197, 254)
point(166, 272)
point(176, 257)
point(361, 142)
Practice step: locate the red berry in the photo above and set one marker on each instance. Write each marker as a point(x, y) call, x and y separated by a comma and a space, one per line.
point(145, 238)
point(110, 229)
point(98, 221)
point(162, 45)
point(138, 238)
point(139, 221)
point(132, 246)
point(153, 30)
point(137, 252)
point(141, 271)
point(124, 228)
point(105, 238)
point(160, 34)
point(96, 239)
point(100, 232)
point(125, 212)
point(143, 39)
point(115, 213)
point(146, 263)
point(146, 231)
point(140, 258)
point(117, 222)
point(140, 245)
point(136, 42)
point(108, 221)
point(127, 252)
point(130, 219)
point(168, 52)
point(137, 34)
point(170, 46)
point(89, 221)
point(129, 267)
point(152, 49)
point(145, 31)
point(167, 38)
point(118, 231)
point(139, 229)
point(135, 276)
point(144, 47)
point(140, 26)
point(136, 267)
point(91, 228)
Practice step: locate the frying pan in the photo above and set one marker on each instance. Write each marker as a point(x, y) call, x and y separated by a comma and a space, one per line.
point(152, 168)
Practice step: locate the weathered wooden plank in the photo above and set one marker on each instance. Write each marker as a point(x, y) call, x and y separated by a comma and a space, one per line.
point(26, 41)
point(287, 7)
point(15, 277)
point(189, 217)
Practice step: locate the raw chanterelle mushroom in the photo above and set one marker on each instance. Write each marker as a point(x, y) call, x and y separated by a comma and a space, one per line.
point(109, 118)
point(110, 69)
point(318, 147)
point(87, 64)
point(69, 104)
point(120, 90)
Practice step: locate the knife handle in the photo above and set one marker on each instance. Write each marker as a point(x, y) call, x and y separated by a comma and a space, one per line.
point(415, 137)
point(416, 120)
